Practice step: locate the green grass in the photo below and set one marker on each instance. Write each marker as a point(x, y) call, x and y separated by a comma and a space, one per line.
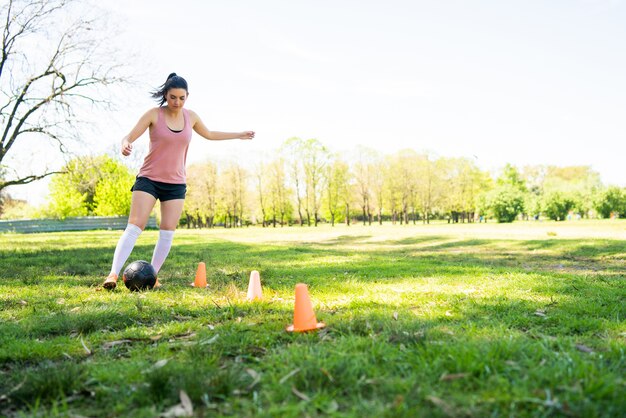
point(442, 320)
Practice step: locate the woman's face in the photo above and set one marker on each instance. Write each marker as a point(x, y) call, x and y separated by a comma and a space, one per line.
point(175, 98)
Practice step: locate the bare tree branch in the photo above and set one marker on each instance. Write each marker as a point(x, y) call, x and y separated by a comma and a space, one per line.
point(38, 95)
point(27, 179)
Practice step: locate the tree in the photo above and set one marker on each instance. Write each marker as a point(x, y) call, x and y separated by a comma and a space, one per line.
point(534, 178)
point(465, 181)
point(233, 190)
point(427, 194)
point(262, 189)
point(293, 150)
point(42, 92)
point(112, 195)
point(337, 186)
point(201, 199)
point(65, 199)
point(378, 187)
point(576, 183)
point(403, 184)
point(364, 177)
point(315, 158)
point(609, 201)
point(512, 177)
point(392, 188)
point(90, 186)
point(506, 202)
point(557, 205)
point(273, 193)
point(279, 192)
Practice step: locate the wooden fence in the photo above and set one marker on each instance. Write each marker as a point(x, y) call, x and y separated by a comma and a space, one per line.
point(69, 224)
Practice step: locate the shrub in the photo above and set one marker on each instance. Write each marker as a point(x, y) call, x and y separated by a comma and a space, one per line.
point(557, 205)
point(505, 203)
point(610, 200)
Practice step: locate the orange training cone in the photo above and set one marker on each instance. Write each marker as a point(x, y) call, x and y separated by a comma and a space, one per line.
point(303, 315)
point(254, 287)
point(200, 276)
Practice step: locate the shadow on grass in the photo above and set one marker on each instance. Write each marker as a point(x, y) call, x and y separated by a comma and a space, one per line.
point(286, 265)
point(101, 349)
point(363, 355)
point(374, 350)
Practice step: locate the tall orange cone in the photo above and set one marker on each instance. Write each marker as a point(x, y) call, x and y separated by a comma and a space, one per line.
point(254, 287)
point(303, 315)
point(200, 276)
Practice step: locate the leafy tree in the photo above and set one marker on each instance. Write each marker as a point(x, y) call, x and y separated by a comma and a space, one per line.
point(232, 189)
point(279, 207)
point(505, 203)
point(262, 189)
point(378, 187)
point(54, 57)
point(511, 176)
point(337, 172)
point(610, 200)
point(428, 186)
point(482, 206)
point(393, 188)
point(292, 151)
point(90, 186)
point(201, 200)
point(65, 199)
point(112, 193)
point(557, 205)
point(575, 183)
point(314, 160)
point(281, 193)
point(364, 174)
point(403, 184)
point(464, 183)
point(83, 174)
point(532, 205)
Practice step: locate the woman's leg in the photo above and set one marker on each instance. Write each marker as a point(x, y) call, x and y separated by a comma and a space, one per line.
point(140, 208)
point(170, 215)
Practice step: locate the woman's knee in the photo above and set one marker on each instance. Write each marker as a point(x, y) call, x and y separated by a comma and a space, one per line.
point(168, 226)
point(170, 213)
point(140, 223)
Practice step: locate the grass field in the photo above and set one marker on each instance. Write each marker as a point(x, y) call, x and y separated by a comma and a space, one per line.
point(476, 320)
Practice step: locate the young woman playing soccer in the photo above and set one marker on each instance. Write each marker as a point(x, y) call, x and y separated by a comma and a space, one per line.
point(162, 175)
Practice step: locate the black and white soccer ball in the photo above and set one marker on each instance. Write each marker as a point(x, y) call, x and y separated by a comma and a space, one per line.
point(139, 275)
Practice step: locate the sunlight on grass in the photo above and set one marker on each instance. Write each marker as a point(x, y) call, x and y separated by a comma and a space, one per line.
point(461, 320)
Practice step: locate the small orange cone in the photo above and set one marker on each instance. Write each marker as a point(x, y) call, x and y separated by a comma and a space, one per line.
point(200, 276)
point(254, 287)
point(303, 315)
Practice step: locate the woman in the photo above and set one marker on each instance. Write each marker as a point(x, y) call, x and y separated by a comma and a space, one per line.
point(162, 175)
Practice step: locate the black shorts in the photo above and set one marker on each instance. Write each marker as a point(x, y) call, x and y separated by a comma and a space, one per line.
point(158, 189)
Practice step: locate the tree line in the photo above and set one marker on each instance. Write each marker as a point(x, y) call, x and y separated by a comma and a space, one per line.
point(70, 69)
point(305, 183)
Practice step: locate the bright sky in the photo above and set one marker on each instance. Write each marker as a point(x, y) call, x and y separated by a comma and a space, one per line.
point(523, 82)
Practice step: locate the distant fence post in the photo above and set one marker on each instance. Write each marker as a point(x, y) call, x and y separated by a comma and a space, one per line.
point(84, 223)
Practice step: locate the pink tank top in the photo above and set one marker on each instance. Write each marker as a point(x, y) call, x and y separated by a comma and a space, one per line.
point(167, 155)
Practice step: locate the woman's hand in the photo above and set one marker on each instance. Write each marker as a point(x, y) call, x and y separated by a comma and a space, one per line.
point(127, 147)
point(246, 135)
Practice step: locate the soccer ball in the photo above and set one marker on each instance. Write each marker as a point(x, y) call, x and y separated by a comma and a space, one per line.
point(139, 275)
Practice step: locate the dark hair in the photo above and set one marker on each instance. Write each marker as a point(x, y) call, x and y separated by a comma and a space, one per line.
point(173, 82)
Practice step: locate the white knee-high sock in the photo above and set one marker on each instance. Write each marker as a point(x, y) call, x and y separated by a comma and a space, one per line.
point(162, 248)
point(125, 247)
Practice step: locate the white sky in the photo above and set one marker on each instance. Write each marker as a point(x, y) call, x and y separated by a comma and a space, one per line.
point(523, 82)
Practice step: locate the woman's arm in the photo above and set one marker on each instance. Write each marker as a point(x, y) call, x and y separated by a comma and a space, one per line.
point(204, 132)
point(144, 123)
